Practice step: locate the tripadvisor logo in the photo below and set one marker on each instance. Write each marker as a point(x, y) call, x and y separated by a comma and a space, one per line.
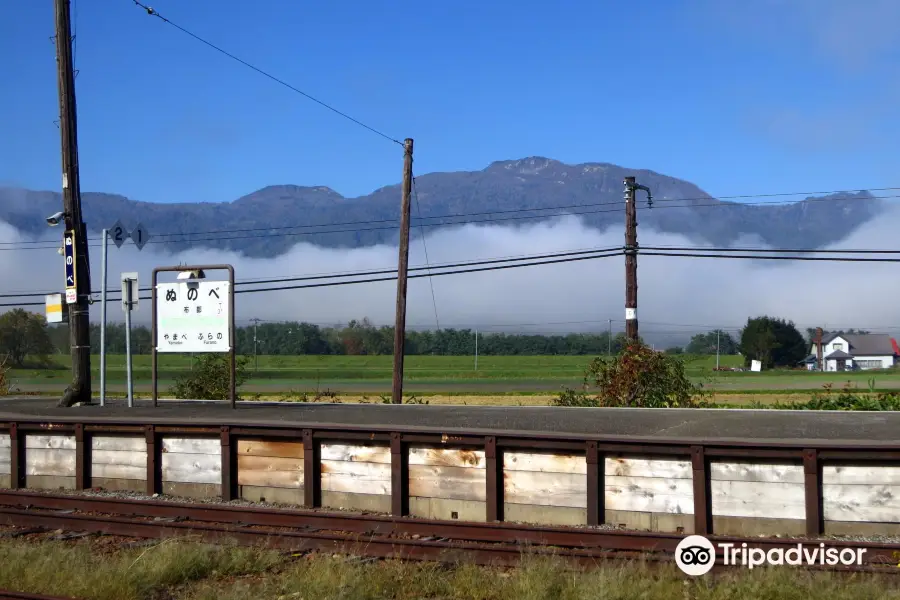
point(696, 555)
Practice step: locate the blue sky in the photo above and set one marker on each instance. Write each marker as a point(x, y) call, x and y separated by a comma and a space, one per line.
point(781, 96)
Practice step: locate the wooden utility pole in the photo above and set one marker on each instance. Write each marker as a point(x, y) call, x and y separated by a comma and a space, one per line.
point(79, 323)
point(631, 250)
point(631, 323)
point(402, 267)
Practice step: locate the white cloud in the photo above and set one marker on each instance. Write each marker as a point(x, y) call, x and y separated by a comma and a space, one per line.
point(672, 291)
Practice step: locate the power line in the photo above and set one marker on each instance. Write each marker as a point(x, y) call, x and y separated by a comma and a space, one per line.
point(266, 232)
point(437, 321)
point(152, 12)
point(671, 251)
point(488, 261)
point(472, 269)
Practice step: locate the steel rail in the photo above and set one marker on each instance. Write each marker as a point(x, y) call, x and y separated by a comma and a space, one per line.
point(374, 535)
point(11, 595)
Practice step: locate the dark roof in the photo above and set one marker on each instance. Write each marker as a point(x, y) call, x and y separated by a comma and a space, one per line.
point(838, 354)
point(809, 359)
point(867, 344)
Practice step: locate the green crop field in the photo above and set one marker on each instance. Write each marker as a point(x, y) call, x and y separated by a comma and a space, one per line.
point(454, 374)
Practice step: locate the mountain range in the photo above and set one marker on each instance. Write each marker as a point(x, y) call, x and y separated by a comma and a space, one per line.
point(267, 222)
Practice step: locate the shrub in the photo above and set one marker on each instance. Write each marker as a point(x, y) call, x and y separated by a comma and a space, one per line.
point(4, 376)
point(846, 400)
point(637, 377)
point(209, 378)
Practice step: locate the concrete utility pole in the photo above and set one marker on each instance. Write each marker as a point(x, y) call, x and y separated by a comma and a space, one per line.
point(255, 341)
point(717, 348)
point(79, 323)
point(402, 267)
point(609, 337)
point(631, 249)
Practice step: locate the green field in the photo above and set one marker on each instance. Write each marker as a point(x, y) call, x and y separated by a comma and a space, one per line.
point(442, 374)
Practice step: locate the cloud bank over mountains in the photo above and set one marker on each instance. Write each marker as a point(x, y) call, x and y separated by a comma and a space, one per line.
point(675, 294)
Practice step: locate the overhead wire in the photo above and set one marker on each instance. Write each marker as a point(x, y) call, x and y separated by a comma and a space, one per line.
point(437, 321)
point(153, 13)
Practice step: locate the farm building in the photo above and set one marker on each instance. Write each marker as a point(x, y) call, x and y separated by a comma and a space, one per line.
point(846, 351)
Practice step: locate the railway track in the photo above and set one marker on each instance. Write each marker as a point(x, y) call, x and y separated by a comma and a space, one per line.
point(376, 535)
point(10, 595)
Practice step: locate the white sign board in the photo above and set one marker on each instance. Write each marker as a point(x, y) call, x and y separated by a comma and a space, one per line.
point(755, 366)
point(193, 316)
point(130, 280)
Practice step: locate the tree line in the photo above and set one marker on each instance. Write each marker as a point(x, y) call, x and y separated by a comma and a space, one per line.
point(360, 337)
point(27, 338)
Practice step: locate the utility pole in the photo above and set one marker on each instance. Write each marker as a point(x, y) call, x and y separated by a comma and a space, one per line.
point(402, 266)
point(79, 322)
point(609, 338)
point(717, 349)
point(255, 342)
point(476, 349)
point(631, 249)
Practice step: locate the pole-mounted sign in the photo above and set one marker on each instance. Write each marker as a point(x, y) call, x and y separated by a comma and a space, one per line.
point(71, 272)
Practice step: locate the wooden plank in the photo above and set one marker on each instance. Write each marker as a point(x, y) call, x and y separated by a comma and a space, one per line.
point(46, 461)
point(356, 477)
point(117, 443)
point(115, 457)
point(357, 453)
point(545, 489)
point(192, 468)
point(461, 483)
point(544, 462)
point(269, 463)
point(858, 475)
point(5, 455)
point(616, 499)
point(763, 473)
point(860, 514)
point(662, 468)
point(372, 483)
point(649, 494)
point(861, 496)
point(446, 457)
point(271, 479)
point(104, 471)
point(757, 499)
point(191, 446)
point(267, 448)
point(62, 442)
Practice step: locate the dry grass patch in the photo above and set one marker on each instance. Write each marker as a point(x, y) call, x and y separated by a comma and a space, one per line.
point(192, 571)
point(74, 570)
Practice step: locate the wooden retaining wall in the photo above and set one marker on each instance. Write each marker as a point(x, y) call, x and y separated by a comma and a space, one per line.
point(118, 463)
point(4, 460)
point(191, 467)
point(689, 489)
point(50, 461)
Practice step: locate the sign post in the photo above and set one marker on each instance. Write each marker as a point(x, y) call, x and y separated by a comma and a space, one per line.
point(129, 303)
point(193, 314)
point(118, 234)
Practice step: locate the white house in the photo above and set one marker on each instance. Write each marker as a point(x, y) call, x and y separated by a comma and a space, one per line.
point(845, 352)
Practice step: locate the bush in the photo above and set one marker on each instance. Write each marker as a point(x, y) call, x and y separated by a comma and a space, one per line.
point(846, 400)
point(637, 377)
point(4, 376)
point(209, 378)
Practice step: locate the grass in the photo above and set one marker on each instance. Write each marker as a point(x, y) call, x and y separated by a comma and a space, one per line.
point(193, 571)
point(443, 373)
